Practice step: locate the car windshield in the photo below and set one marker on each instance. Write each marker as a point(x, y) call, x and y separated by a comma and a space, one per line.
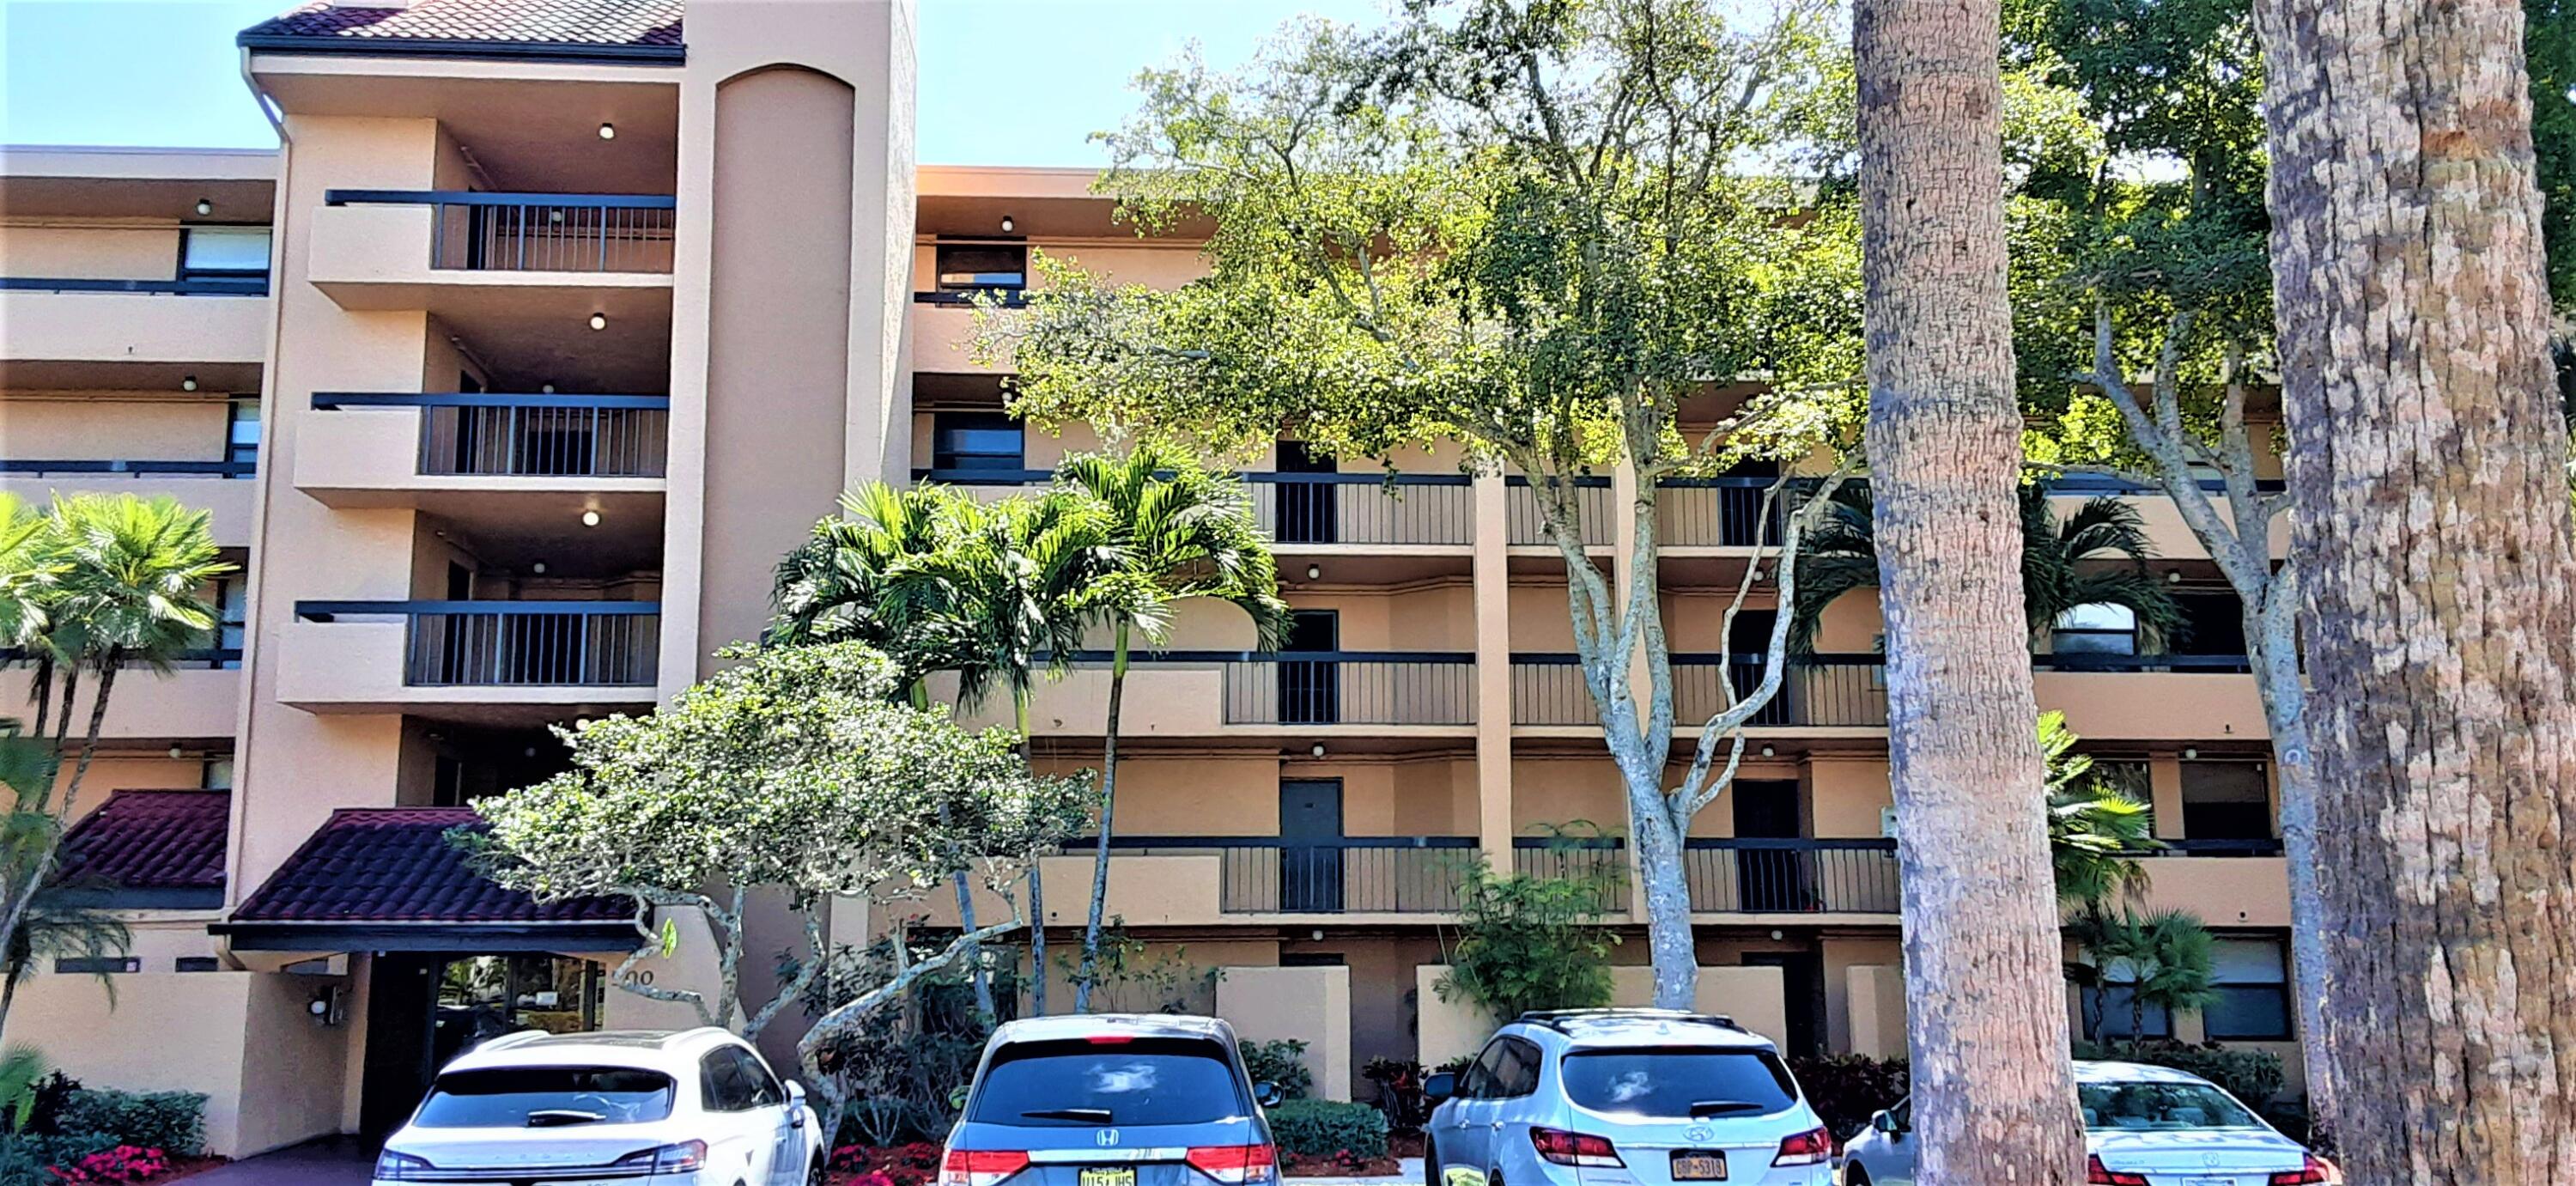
point(1679, 1081)
point(1100, 1081)
point(2150, 1107)
point(544, 1097)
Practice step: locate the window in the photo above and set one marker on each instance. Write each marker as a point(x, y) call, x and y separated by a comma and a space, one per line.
point(1517, 1075)
point(1676, 1081)
point(977, 441)
point(983, 267)
point(217, 774)
point(241, 434)
point(540, 1097)
point(2253, 991)
point(2119, 1013)
point(1483, 1080)
point(2096, 629)
point(734, 1080)
point(92, 965)
point(214, 252)
point(2159, 1106)
point(2226, 801)
point(232, 620)
point(197, 963)
point(1080, 1083)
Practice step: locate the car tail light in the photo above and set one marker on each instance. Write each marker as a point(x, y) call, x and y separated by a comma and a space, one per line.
point(681, 1158)
point(402, 1167)
point(981, 1167)
point(2314, 1171)
point(2101, 1175)
point(1236, 1165)
point(1575, 1148)
point(1812, 1147)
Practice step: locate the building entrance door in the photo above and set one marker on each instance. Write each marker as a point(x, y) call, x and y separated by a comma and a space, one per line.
point(401, 988)
point(1310, 852)
point(1769, 879)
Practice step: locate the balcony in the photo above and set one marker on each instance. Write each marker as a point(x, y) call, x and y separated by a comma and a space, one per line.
point(1525, 524)
point(449, 452)
point(1257, 693)
point(423, 656)
point(1745, 875)
point(1341, 875)
point(62, 334)
point(1720, 512)
point(1333, 512)
point(486, 263)
point(198, 699)
point(196, 484)
point(2152, 697)
point(1816, 691)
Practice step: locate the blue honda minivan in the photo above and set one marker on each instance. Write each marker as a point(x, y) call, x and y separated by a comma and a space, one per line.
point(1112, 1100)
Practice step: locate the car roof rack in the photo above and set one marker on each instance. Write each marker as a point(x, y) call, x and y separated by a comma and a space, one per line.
point(1556, 1019)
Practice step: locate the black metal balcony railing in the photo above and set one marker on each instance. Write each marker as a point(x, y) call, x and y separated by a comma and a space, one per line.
point(548, 435)
point(2183, 664)
point(505, 232)
point(1350, 688)
point(1816, 691)
point(1799, 876)
point(1403, 509)
point(1525, 523)
point(1720, 512)
point(70, 468)
point(1601, 860)
point(246, 284)
point(516, 643)
point(1322, 875)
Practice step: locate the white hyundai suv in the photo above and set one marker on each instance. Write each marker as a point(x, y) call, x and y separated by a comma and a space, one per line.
point(696, 1108)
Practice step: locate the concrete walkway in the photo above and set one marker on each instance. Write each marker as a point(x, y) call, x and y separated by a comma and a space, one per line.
point(340, 1161)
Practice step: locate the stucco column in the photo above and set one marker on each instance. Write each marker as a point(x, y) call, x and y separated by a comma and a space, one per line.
point(1491, 570)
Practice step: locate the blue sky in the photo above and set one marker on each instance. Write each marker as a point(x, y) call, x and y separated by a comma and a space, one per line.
point(1003, 82)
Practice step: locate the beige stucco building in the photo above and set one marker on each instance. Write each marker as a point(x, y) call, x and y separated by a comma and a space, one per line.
point(551, 327)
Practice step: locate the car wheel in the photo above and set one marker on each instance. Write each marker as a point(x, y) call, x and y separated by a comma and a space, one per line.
point(1854, 1174)
point(814, 1172)
point(1430, 1164)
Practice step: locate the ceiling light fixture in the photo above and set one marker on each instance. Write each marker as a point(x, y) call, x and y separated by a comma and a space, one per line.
point(590, 518)
point(188, 383)
point(1314, 572)
point(2173, 576)
point(607, 131)
point(2191, 755)
point(176, 753)
point(205, 206)
point(599, 321)
point(1769, 752)
point(1316, 750)
point(538, 567)
point(1007, 225)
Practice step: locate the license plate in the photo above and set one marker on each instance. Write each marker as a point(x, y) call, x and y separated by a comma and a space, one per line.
point(2208, 1181)
point(1694, 1167)
point(1109, 1175)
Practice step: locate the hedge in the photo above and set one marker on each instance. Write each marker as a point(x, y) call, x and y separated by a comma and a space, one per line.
point(1845, 1088)
point(1320, 1128)
point(172, 1121)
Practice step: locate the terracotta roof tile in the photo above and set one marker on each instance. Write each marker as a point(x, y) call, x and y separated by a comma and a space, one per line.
point(651, 23)
point(394, 864)
point(149, 840)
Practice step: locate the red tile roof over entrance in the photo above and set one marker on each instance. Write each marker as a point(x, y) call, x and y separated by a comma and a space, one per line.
point(149, 840)
point(517, 22)
point(394, 864)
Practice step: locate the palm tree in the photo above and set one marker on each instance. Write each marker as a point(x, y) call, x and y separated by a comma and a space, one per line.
point(2095, 556)
point(2094, 829)
point(53, 929)
point(2167, 958)
point(1017, 582)
point(106, 582)
point(860, 577)
point(1179, 532)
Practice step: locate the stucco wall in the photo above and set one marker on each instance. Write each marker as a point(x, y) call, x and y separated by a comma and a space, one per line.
point(1311, 1004)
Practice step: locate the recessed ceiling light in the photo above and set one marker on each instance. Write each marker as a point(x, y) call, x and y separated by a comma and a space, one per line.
point(599, 321)
point(205, 206)
point(607, 131)
point(1317, 749)
point(1007, 225)
point(1314, 572)
point(188, 383)
point(590, 518)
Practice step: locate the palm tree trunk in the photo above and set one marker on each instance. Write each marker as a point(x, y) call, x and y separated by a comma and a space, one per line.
point(973, 955)
point(1108, 811)
point(1993, 1092)
point(2434, 545)
point(41, 863)
point(1037, 876)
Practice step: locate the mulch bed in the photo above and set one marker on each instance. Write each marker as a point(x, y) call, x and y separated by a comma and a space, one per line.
point(186, 1167)
point(1404, 1144)
point(1339, 1165)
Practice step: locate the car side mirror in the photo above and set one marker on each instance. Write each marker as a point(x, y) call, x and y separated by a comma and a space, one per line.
point(1267, 1094)
point(795, 1104)
point(1885, 1121)
point(1440, 1086)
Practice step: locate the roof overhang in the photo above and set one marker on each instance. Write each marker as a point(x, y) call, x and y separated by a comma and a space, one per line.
point(479, 937)
point(466, 48)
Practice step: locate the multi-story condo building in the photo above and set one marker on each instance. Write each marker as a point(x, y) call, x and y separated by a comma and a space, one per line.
point(552, 325)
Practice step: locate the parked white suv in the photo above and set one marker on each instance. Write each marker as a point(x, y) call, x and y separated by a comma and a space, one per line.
point(1624, 1097)
point(696, 1108)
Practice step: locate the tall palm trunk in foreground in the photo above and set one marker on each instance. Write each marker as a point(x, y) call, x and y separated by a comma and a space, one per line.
point(2427, 457)
point(1994, 1098)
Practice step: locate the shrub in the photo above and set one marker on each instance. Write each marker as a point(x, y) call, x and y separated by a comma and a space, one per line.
point(28, 1160)
point(1321, 1128)
point(1845, 1088)
point(174, 1121)
point(1529, 943)
point(1282, 1062)
point(124, 1163)
point(2254, 1076)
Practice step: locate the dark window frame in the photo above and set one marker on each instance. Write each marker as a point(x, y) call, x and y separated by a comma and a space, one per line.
point(187, 272)
point(939, 269)
point(2277, 989)
point(93, 965)
point(945, 457)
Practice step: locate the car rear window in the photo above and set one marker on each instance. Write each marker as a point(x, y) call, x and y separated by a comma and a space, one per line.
point(1673, 1080)
point(538, 1097)
point(2136, 1107)
point(1084, 1083)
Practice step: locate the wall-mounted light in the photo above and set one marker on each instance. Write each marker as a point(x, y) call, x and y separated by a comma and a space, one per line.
point(177, 753)
point(1314, 572)
point(188, 383)
point(2191, 755)
point(1007, 225)
point(205, 206)
point(546, 388)
point(607, 131)
point(1316, 750)
point(1768, 752)
point(539, 568)
point(599, 321)
point(590, 518)
point(2173, 576)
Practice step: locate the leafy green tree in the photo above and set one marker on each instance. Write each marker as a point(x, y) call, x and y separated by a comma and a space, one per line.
point(800, 770)
point(1534, 228)
point(1529, 943)
point(1177, 531)
point(97, 584)
point(2095, 556)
